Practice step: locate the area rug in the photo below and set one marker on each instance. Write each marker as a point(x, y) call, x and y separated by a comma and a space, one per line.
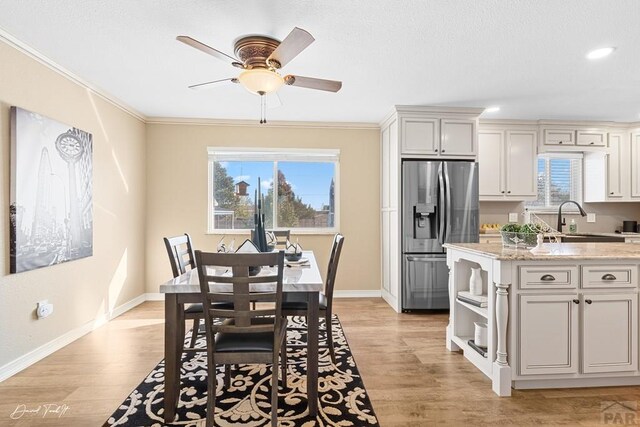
point(343, 400)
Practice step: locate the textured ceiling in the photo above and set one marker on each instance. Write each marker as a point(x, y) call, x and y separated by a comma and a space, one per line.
point(528, 57)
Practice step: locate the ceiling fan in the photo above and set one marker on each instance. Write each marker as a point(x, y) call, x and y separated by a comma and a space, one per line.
point(260, 58)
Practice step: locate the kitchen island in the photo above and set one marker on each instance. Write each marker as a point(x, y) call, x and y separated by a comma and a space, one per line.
point(562, 316)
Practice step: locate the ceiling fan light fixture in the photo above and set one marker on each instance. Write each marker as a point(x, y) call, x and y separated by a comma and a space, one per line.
point(261, 81)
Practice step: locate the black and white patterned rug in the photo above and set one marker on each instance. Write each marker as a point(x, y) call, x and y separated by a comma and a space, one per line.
point(343, 400)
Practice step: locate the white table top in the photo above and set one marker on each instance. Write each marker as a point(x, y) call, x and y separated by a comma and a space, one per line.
point(295, 279)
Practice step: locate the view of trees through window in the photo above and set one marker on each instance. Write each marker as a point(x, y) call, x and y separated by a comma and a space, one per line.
point(305, 194)
point(559, 180)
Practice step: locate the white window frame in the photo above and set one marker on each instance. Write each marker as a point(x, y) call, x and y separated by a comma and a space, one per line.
point(275, 155)
point(570, 208)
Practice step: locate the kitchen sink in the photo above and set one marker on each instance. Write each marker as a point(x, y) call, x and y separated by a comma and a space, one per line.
point(589, 238)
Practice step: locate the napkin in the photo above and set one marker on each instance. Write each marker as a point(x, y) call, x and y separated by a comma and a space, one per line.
point(271, 238)
point(292, 248)
point(247, 247)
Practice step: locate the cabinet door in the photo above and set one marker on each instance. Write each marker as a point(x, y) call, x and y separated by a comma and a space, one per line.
point(591, 138)
point(491, 164)
point(458, 137)
point(614, 166)
point(548, 327)
point(419, 135)
point(559, 137)
point(394, 254)
point(610, 341)
point(521, 164)
point(635, 164)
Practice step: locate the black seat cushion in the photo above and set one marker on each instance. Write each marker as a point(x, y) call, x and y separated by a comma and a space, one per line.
point(298, 301)
point(197, 308)
point(234, 342)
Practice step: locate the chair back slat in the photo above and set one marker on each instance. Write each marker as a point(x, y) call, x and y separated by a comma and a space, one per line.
point(332, 269)
point(242, 318)
point(181, 255)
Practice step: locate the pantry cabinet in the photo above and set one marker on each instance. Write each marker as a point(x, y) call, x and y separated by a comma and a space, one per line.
point(507, 164)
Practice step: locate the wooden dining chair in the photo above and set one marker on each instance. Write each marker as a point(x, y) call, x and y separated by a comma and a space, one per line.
point(182, 259)
point(246, 335)
point(295, 304)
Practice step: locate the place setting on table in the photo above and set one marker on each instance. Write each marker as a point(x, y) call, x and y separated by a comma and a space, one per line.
point(319, 383)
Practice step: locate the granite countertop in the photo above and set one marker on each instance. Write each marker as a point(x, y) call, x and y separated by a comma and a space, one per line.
point(552, 251)
point(587, 233)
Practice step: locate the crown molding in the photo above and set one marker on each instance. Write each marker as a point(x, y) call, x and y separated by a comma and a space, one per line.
point(253, 123)
point(32, 53)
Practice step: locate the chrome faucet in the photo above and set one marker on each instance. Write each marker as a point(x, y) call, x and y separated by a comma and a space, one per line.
point(561, 220)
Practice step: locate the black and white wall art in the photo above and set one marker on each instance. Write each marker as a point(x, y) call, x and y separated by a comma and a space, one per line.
point(51, 210)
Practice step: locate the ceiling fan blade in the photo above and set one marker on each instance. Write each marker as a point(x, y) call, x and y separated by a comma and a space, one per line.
point(313, 83)
point(209, 50)
point(297, 41)
point(209, 85)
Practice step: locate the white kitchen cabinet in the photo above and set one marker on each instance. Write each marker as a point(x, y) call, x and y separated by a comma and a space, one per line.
point(491, 163)
point(618, 166)
point(610, 333)
point(507, 162)
point(548, 325)
point(593, 138)
point(558, 137)
point(635, 164)
point(609, 176)
point(458, 137)
point(419, 135)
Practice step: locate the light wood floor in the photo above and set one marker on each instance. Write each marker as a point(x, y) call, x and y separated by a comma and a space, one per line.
point(410, 376)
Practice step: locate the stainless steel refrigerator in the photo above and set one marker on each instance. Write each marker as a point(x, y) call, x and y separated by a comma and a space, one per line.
point(439, 205)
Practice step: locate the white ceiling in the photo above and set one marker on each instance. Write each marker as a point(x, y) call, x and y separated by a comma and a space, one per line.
point(528, 57)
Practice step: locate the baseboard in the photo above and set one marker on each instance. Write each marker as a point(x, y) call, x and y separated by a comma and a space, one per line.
point(358, 294)
point(56, 344)
point(154, 296)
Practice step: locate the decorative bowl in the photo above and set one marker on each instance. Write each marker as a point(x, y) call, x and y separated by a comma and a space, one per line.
point(253, 271)
point(519, 240)
point(293, 256)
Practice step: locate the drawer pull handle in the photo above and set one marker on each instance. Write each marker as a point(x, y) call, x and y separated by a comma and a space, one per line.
point(608, 276)
point(588, 301)
point(576, 301)
point(547, 278)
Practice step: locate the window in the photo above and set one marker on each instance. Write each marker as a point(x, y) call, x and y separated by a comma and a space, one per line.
point(559, 180)
point(306, 190)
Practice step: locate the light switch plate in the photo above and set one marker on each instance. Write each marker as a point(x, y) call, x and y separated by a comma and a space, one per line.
point(591, 217)
point(513, 217)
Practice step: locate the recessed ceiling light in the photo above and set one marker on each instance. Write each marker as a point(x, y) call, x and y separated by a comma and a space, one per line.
point(492, 109)
point(600, 53)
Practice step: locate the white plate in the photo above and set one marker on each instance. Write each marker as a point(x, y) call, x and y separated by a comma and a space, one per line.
point(302, 260)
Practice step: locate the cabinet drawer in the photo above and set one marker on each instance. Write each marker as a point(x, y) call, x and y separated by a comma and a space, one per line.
point(608, 276)
point(592, 138)
point(559, 137)
point(548, 277)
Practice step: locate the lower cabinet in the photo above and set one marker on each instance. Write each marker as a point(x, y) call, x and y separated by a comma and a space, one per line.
point(610, 333)
point(548, 331)
point(556, 329)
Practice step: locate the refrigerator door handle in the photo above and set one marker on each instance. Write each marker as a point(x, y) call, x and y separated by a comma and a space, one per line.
point(441, 203)
point(447, 190)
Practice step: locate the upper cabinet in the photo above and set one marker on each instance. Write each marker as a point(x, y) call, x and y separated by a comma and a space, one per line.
point(635, 164)
point(611, 175)
point(438, 132)
point(572, 137)
point(419, 135)
point(507, 163)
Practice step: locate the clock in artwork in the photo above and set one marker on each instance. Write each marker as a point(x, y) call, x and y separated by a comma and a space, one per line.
point(51, 207)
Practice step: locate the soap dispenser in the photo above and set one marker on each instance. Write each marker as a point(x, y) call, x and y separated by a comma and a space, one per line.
point(573, 227)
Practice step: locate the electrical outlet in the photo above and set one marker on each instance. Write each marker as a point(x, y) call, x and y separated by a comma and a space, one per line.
point(44, 309)
point(591, 217)
point(513, 217)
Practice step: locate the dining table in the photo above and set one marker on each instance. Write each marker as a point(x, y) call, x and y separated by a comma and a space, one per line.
point(304, 279)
